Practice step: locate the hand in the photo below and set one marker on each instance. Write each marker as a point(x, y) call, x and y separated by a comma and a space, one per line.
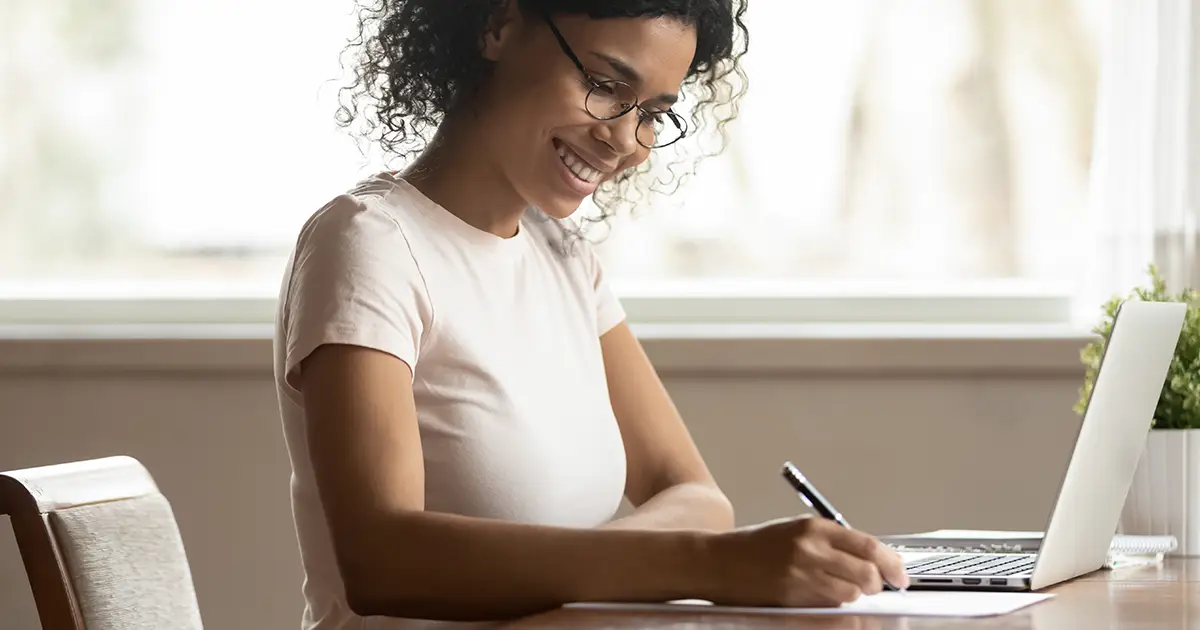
point(800, 562)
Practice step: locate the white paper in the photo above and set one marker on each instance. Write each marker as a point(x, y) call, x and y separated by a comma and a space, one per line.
point(911, 603)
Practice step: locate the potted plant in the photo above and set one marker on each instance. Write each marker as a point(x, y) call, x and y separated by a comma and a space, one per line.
point(1165, 495)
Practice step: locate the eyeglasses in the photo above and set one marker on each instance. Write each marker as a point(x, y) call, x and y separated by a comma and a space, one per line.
point(607, 100)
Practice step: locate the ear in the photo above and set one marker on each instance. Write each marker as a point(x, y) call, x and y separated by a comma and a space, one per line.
point(501, 29)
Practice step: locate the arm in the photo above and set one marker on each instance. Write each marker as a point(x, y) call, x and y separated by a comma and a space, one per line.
point(397, 560)
point(667, 481)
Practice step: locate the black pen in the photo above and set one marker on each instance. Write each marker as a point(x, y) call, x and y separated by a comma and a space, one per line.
point(817, 501)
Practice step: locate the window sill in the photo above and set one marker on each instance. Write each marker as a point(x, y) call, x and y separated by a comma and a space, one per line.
point(678, 350)
point(741, 302)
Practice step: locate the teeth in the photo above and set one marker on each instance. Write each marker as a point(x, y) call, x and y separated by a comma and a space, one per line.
point(578, 166)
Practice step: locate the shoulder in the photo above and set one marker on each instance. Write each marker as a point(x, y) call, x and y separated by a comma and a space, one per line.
point(353, 279)
point(374, 212)
point(356, 246)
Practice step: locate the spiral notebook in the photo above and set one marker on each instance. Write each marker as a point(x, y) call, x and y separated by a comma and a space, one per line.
point(1126, 550)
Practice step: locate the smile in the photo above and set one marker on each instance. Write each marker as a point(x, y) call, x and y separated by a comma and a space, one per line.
point(577, 165)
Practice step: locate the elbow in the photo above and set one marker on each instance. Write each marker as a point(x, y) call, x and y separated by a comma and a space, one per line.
point(361, 603)
point(362, 593)
point(387, 584)
point(364, 577)
point(365, 597)
point(372, 586)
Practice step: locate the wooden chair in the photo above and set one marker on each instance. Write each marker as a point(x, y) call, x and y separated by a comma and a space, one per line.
point(100, 546)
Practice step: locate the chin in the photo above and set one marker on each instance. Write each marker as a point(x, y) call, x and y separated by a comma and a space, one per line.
point(554, 203)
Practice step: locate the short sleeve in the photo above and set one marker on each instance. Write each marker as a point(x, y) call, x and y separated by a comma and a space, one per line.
point(353, 280)
point(609, 311)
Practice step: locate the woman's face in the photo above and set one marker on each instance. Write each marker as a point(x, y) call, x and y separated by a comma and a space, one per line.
point(539, 133)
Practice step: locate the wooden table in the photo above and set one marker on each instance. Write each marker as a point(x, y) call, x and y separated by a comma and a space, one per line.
point(1158, 597)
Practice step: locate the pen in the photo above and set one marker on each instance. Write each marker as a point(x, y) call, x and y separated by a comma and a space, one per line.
point(817, 501)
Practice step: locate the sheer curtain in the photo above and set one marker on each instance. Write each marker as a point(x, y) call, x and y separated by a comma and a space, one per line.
point(1145, 177)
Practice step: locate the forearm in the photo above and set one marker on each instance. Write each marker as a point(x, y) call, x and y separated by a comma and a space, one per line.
point(693, 506)
point(439, 566)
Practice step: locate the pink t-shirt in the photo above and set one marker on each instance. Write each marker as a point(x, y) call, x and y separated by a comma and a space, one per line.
point(503, 336)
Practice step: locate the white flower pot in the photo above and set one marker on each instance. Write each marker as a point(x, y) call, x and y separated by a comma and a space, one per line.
point(1165, 495)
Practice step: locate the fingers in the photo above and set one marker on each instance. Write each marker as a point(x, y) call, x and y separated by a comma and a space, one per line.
point(882, 561)
point(832, 564)
point(854, 542)
point(855, 570)
point(888, 563)
point(834, 591)
point(891, 566)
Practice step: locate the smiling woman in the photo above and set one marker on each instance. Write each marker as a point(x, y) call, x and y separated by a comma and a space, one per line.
point(430, 69)
point(463, 402)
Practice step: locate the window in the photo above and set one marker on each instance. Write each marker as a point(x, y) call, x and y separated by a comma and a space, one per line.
point(912, 148)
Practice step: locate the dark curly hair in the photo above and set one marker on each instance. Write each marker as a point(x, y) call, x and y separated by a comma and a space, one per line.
point(414, 60)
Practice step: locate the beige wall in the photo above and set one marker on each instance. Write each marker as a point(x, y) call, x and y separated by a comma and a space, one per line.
point(902, 433)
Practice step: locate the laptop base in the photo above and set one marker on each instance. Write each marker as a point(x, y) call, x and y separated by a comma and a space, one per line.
point(970, 571)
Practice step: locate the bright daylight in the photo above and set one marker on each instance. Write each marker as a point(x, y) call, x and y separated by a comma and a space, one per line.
point(917, 141)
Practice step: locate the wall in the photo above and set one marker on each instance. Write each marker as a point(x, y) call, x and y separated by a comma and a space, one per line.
point(903, 431)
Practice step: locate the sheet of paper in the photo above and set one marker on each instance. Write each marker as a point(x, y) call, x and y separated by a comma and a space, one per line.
point(911, 603)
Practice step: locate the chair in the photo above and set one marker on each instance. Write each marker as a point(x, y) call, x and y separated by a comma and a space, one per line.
point(100, 546)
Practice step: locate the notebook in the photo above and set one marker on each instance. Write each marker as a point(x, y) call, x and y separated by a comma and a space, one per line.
point(1126, 549)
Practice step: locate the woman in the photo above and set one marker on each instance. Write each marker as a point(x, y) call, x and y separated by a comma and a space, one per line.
point(463, 403)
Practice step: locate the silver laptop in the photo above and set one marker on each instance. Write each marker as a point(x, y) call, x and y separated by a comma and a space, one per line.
point(1110, 442)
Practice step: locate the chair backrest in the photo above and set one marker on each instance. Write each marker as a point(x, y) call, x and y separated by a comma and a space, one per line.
point(100, 546)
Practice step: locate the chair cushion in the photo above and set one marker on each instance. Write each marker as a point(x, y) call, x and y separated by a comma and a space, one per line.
point(127, 565)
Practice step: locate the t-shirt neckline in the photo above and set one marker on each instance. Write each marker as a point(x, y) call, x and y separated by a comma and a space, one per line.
point(452, 222)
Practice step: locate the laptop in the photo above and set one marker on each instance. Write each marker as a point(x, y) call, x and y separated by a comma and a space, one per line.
point(1110, 442)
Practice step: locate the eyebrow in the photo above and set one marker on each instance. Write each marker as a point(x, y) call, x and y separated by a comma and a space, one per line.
point(632, 76)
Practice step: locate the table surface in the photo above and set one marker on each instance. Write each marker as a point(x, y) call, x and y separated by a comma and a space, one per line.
point(1166, 596)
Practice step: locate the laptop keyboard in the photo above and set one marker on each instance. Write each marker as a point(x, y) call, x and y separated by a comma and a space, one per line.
point(972, 564)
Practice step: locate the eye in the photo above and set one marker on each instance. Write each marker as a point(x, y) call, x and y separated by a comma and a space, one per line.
point(605, 89)
point(658, 118)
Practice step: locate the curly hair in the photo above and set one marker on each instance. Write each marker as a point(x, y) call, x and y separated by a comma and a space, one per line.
point(414, 60)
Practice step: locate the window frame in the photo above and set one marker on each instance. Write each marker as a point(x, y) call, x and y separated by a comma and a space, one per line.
point(669, 303)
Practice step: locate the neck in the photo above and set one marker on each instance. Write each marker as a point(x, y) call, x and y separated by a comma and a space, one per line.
point(455, 174)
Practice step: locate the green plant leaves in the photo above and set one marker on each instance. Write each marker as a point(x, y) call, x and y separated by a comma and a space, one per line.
point(1179, 404)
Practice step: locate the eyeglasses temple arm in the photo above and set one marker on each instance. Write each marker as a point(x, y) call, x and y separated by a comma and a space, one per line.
point(566, 48)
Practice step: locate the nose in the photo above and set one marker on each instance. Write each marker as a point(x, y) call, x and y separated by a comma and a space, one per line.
point(620, 133)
